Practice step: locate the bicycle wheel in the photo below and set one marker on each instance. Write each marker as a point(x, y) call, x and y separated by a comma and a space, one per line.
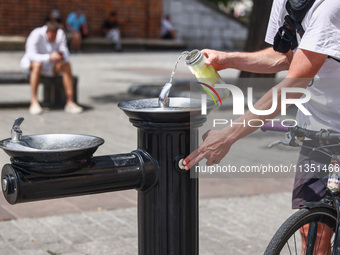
point(305, 231)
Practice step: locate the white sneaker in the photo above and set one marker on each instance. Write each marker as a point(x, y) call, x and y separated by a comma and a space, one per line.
point(73, 108)
point(35, 109)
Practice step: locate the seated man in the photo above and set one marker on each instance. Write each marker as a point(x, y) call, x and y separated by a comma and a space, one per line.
point(167, 30)
point(47, 54)
point(111, 30)
point(76, 26)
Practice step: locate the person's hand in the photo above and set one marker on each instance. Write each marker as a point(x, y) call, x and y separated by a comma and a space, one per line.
point(214, 147)
point(218, 59)
point(56, 56)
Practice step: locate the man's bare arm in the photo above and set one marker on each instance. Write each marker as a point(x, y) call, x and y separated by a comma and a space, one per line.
point(263, 61)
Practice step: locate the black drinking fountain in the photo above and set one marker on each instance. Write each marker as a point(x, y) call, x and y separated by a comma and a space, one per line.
point(61, 165)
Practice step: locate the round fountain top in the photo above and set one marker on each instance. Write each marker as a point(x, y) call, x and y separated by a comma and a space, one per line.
point(51, 147)
point(179, 110)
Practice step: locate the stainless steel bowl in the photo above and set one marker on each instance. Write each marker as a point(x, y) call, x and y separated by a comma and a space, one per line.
point(180, 110)
point(51, 147)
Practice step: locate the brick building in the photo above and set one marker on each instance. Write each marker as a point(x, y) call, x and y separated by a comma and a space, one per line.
point(138, 18)
point(198, 23)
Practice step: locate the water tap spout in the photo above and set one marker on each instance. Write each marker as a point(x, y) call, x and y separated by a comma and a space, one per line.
point(163, 98)
point(16, 132)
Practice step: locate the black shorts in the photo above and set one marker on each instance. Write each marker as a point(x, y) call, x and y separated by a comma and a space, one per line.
point(310, 185)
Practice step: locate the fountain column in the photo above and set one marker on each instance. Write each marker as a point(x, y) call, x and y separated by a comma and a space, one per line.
point(168, 211)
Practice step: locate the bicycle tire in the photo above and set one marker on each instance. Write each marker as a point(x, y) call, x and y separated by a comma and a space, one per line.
point(294, 223)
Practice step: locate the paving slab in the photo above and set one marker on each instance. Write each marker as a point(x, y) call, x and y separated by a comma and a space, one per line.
point(237, 225)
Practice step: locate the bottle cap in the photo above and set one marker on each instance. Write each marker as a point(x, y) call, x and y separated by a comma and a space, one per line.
point(193, 57)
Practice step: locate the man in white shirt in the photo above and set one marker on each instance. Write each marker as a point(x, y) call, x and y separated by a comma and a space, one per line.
point(46, 53)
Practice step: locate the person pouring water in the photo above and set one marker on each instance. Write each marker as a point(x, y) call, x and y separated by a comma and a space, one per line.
point(312, 54)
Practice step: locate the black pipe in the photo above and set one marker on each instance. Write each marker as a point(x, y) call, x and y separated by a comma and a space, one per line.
point(136, 170)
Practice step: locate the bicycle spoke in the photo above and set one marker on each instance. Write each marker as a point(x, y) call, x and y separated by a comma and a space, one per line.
point(312, 234)
point(295, 244)
point(303, 234)
point(323, 228)
point(290, 252)
point(331, 244)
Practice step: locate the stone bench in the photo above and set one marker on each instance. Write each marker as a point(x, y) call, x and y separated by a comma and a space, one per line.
point(53, 89)
point(100, 44)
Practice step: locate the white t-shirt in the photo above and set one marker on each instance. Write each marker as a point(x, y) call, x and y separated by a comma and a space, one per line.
point(322, 35)
point(166, 26)
point(38, 48)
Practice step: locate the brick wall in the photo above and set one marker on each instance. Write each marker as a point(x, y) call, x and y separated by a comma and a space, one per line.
point(138, 18)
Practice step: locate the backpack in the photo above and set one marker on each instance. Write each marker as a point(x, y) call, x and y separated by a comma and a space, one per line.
point(285, 39)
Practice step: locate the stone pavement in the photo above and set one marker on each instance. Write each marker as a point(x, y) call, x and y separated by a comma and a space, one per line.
point(237, 215)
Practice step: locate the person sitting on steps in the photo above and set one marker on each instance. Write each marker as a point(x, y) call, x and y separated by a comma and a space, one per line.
point(111, 30)
point(76, 27)
point(46, 53)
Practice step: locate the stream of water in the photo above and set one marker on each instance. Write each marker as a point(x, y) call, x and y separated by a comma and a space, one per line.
point(184, 53)
point(163, 101)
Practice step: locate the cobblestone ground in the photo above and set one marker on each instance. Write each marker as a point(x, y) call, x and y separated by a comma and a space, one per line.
point(239, 225)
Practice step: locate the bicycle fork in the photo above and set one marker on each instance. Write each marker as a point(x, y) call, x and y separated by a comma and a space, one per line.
point(334, 186)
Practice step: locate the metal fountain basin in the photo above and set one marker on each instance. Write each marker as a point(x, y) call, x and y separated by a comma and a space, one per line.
point(179, 109)
point(47, 148)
